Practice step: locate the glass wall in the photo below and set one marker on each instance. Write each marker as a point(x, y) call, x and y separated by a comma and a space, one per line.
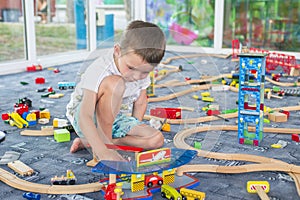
point(185, 22)
point(268, 24)
point(12, 43)
point(112, 17)
point(60, 26)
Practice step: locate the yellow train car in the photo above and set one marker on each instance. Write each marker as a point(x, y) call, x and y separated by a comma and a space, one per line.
point(188, 194)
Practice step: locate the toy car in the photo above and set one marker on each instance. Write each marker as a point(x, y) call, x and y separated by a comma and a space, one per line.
point(31, 196)
point(151, 180)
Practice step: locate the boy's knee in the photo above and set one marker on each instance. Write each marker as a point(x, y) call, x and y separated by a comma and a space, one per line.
point(157, 141)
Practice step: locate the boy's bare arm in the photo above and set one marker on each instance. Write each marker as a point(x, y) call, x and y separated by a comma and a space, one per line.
point(140, 106)
point(94, 136)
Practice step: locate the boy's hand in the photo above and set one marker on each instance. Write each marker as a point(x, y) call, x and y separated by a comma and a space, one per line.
point(109, 155)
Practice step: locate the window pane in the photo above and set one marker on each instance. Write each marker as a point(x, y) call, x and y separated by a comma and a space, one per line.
point(185, 22)
point(11, 31)
point(60, 26)
point(272, 25)
point(112, 17)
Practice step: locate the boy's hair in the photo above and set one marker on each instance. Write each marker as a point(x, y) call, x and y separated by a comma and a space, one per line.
point(144, 39)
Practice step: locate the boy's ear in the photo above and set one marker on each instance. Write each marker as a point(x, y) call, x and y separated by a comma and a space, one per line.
point(117, 50)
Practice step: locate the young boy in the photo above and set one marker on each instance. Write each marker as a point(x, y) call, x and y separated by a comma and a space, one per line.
point(114, 85)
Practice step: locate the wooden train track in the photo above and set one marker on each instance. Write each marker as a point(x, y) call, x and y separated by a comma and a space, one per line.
point(264, 163)
point(282, 83)
point(21, 184)
point(214, 78)
point(214, 118)
point(170, 59)
point(187, 91)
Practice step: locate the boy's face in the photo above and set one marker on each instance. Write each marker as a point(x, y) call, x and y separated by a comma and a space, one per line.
point(132, 66)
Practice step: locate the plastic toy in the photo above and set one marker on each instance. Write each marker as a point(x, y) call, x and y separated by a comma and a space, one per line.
point(45, 114)
point(21, 108)
point(287, 62)
point(17, 120)
point(62, 135)
point(59, 123)
point(40, 80)
point(151, 180)
point(169, 192)
point(34, 68)
point(2, 136)
point(259, 187)
point(152, 157)
point(26, 101)
point(66, 85)
point(56, 96)
point(295, 137)
point(251, 90)
point(235, 49)
point(47, 94)
point(113, 191)
point(170, 113)
point(31, 196)
point(191, 194)
point(69, 179)
point(151, 88)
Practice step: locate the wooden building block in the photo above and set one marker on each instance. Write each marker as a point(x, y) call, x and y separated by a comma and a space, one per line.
point(277, 117)
point(21, 168)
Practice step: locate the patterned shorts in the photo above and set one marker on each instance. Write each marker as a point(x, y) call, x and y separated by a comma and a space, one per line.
point(121, 126)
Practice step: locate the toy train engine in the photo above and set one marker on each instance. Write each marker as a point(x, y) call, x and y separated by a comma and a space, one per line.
point(66, 85)
point(69, 179)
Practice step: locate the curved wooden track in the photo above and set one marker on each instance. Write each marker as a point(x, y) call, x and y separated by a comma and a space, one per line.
point(282, 83)
point(21, 184)
point(265, 164)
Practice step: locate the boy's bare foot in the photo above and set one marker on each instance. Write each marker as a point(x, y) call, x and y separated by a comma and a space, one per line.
point(77, 145)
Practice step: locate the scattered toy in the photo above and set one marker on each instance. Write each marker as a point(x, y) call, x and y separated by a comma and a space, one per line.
point(2, 136)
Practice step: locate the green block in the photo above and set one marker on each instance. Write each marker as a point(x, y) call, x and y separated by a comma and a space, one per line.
point(249, 135)
point(62, 135)
point(250, 142)
point(276, 89)
point(267, 121)
point(197, 145)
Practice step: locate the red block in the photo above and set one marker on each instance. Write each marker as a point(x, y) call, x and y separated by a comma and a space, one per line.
point(170, 113)
point(5, 116)
point(242, 141)
point(20, 108)
point(287, 113)
point(40, 80)
point(295, 137)
point(34, 68)
point(212, 112)
point(255, 142)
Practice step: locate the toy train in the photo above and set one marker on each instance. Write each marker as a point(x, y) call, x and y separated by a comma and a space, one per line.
point(169, 192)
point(66, 85)
point(69, 179)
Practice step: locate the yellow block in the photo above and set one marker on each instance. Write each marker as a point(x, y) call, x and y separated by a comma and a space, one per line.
point(166, 127)
point(252, 184)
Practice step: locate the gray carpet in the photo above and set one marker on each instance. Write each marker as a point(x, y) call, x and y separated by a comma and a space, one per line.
point(49, 158)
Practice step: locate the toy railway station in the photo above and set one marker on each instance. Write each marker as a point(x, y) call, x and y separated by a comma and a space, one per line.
point(149, 100)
